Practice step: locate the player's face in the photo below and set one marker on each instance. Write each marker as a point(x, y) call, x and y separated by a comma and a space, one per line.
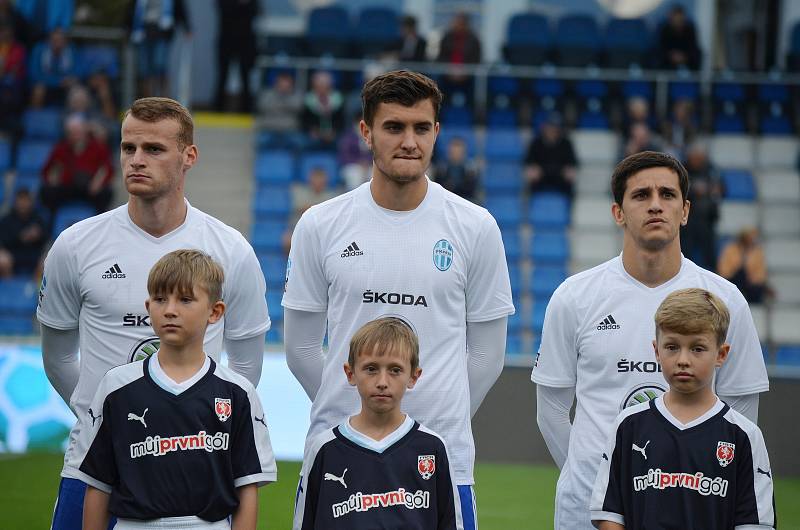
point(382, 378)
point(180, 320)
point(153, 164)
point(401, 140)
point(688, 361)
point(652, 209)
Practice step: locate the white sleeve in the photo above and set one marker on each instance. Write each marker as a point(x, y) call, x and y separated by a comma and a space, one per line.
point(488, 290)
point(746, 405)
point(744, 371)
point(486, 347)
point(245, 299)
point(302, 337)
point(552, 416)
point(60, 359)
point(306, 285)
point(557, 360)
point(60, 297)
point(246, 356)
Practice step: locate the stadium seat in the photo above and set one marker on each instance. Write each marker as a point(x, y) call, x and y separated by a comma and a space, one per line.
point(511, 243)
point(513, 342)
point(328, 31)
point(577, 40)
point(779, 187)
point(545, 279)
point(549, 247)
point(739, 184)
point(465, 133)
point(637, 88)
point(729, 102)
point(501, 118)
point(593, 180)
point(592, 248)
point(267, 236)
point(42, 124)
point(273, 265)
point(271, 203)
point(591, 213)
point(782, 220)
point(627, 42)
point(786, 287)
point(453, 116)
point(100, 59)
point(528, 40)
point(504, 85)
point(32, 155)
point(503, 145)
point(776, 152)
point(539, 310)
point(689, 90)
point(16, 325)
point(735, 216)
point(507, 211)
point(502, 178)
point(549, 210)
point(274, 304)
point(783, 326)
point(327, 161)
point(275, 333)
point(732, 151)
point(782, 255)
point(377, 30)
point(18, 297)
point(514, 270)
point(788, 356)
point(274, 167)
point(596, 147)
point(70, 214)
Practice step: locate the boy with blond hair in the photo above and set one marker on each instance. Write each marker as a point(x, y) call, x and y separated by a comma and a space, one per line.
point(379, 468)
point(685, 459)
point(175, 440)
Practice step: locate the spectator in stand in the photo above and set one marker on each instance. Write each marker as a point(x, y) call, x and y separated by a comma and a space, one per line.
point(54, 69)
point(304, 196)
point(278, 109)
point(12, 84)
point(412, 46)
point(640, 138)
point(699, 236)
point(355, 158)
point(102, 119)
point(743, 263)
point(236, 40)
point(11, 16)
point(459, 46)
point(680, 129)
point(323, 111)
point(550, 164)
point(677, 40)
point(456, 173)
point(78, 169)
point(637, 110)
point(152, 25)
point(23, 235)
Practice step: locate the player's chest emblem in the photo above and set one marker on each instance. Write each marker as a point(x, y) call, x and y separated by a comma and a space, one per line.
point(443, 255)
point(334, 478)
point(725, 452)
point(132, 416)
point(223, 408)
point(642, 449)
point(426, 465)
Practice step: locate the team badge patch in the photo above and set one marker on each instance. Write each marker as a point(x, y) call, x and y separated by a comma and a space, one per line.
point(223, 408)
point(725, 453)
point(144, 349)
point(426, 465)
point(443, 254)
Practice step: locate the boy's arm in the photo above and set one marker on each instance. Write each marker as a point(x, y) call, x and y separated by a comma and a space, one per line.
point(245, 516)
point(95, 509)
point(610, 525)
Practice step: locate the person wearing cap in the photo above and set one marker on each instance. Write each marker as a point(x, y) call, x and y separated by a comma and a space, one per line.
point(550, 164)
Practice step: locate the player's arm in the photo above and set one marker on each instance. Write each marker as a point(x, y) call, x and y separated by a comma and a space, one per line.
point(610, 525)
point(60, 359)
point(95, 509)
point(746, 405)
point(303, 333)
point(552, 416)
point(246, 514)
point(486, 347)
point(246, 356)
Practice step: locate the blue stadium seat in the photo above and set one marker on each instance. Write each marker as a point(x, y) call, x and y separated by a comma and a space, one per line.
point(5, 154)
point(729, 124)
point(627, 42)
point(637, 88)
point(271, 203)
point(545, 279)
point(18, 297)
point(503, 85)
point(377, 30)
point(507, 211)
point(550, 247)
point(511, 243)
point(513, 342)
point(729, 101)
point(528, 40)
point(502, 178)
point(100, 59)
point(788, 356)
point(267, 236)
point(274, 298)
point(328, 31)
point(69, 214)
point(684, 90)
point(514, 271)
point(577, 40)
point(515, 324)
point(273, 265)
point(775, 126)
point(16, 325)
point(503, 145)
point(453, 116)
point(539, 309)
point(549, 210)
point(501, 118)
point(465, 133)
point(32, 155)
point(42, 124)
point(597, 120)
point(275, 333)
point(319, 159)
point(274, 167)
point(739, 184)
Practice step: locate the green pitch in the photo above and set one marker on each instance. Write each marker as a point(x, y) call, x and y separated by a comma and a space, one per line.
point(509, 496)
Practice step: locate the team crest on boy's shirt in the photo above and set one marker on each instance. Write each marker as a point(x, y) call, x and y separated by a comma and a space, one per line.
point(223, 408)
point(725, 453)
point(426, 465)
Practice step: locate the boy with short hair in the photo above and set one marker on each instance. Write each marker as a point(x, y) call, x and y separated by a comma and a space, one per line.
point(685, 459)
point(175, 440)
point(379, 468)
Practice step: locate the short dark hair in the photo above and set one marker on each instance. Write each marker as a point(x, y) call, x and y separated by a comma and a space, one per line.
point(635, 163)
point(399, 86)
point(155, 109)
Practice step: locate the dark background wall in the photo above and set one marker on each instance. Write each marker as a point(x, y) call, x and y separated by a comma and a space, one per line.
point(505, 426)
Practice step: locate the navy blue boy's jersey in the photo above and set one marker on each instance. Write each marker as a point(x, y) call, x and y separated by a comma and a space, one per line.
point(161, 454)
point(406, 486)
point(658, 473)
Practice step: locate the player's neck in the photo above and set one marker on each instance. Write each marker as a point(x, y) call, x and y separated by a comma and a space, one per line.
point(399, 197)
point(181, 363)
point(377, 425)
point(159, 216)
point(688, 407)
point(652, 268)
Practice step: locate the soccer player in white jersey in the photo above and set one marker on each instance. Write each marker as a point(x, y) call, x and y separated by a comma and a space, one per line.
point(95, 275)
point(401, 245)
point(598, 328)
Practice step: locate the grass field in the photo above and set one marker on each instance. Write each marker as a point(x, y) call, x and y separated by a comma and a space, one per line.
point(510, 497)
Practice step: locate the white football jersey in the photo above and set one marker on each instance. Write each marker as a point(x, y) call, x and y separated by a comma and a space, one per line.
point(598, 337)
point(437, 267)
point(95, 279)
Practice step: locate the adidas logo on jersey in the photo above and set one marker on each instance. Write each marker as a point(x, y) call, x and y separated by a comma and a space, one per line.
point(352, 250)
point(607, 323)
point(113, 272)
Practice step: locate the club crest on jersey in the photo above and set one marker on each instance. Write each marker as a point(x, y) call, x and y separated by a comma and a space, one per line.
point(725, 451)
point(642, 394)
point(144, 349)
point(223, 408)
point(443, 254)
point(426, 465)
